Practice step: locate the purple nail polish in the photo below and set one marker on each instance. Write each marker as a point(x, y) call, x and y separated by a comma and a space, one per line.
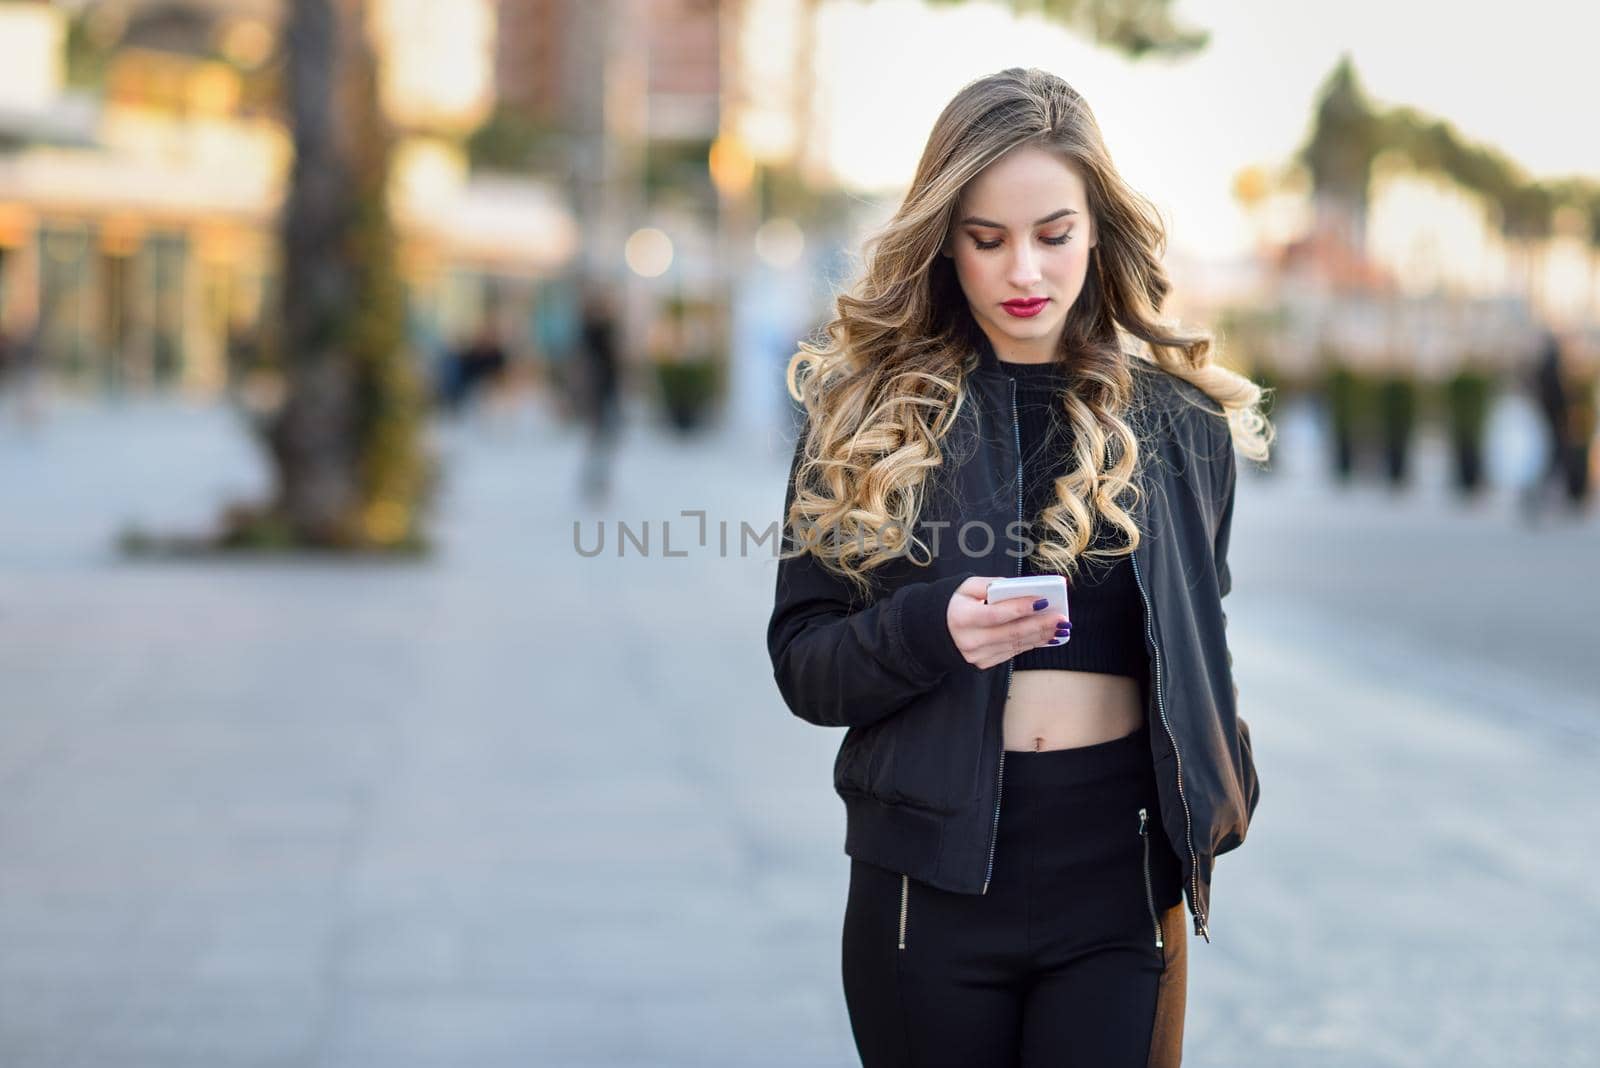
point(1041, 604)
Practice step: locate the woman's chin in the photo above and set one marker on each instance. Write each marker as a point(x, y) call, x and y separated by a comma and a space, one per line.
point(1026, 329)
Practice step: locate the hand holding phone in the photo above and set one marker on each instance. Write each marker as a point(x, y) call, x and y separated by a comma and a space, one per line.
point(1052, 588)
point(991, 631)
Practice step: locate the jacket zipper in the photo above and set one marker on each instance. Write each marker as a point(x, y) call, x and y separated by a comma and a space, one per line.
point(1000, 773)
point(1200, 926)
point(905, 898)
point(1149, 894)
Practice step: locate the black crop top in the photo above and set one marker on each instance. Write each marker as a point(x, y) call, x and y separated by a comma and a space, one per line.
point(1103, 603)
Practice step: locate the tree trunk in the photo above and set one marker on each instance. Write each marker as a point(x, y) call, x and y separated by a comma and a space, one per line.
point(345, 444)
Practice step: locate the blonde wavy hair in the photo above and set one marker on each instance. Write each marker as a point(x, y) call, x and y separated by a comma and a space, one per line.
point(883, 381)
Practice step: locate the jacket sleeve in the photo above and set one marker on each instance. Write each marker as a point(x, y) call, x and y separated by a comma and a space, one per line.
point(842, 663)
point(1228, 485)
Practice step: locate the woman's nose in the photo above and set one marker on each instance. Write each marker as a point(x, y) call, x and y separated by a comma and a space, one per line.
point(1024, 268)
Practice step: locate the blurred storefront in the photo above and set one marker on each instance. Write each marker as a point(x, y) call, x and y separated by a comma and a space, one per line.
point(138, 210)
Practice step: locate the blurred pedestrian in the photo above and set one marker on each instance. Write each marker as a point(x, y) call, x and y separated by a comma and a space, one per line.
point(19, 374)
point(1583, 415)
point(1547, 384)
point(477, 366)
point(447, 379)
point(984, 358)
point(599, 385)
point(484, 360)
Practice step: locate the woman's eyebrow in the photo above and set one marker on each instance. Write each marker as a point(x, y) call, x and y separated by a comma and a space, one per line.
point(973, 220)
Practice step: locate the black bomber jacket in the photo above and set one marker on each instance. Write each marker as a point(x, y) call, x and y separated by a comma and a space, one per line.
point(920, 764)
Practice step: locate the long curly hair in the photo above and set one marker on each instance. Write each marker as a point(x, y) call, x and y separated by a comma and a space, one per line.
point(883, 381)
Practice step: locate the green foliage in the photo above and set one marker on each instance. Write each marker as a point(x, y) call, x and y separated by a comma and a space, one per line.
point(1396, 396)
point(1136, 28)
point(347, 441)
point(510, 142)
point(1466, 397)
point(1349, 132)
point(689, 388)
point(1467, 394)
point(679, 167)
point(89, 47)
point(1348, 396)
point(1527, 212)
point(390, 398)
point(1346, 136)
point(1433, 145)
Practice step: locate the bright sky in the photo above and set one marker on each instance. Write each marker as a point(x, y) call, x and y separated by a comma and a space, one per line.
point(1521, 77)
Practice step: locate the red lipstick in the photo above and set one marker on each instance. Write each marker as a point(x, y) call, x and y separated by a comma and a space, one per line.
point(1026, 309)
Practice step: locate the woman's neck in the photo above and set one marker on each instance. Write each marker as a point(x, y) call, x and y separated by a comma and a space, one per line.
point(1042, 350)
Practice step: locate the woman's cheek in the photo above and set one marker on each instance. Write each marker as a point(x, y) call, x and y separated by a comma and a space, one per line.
point(969, 273)
point(1076, 265)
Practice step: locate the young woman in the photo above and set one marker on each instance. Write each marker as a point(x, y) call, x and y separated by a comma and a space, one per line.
point(1028, 800)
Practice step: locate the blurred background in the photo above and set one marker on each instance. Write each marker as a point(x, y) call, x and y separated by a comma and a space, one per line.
point(393, 435)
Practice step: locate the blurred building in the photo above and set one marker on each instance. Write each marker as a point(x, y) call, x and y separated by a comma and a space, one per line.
point(669, 114)
point(534, 61)
point(1426, 288)
point(142, 162)
point(632, 90)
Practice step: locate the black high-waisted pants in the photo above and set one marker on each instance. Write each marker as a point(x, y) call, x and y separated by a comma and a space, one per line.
point(1059, 963)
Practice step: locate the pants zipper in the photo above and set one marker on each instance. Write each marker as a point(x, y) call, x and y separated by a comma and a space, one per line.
point(1200, 926)
point(1000, 772)
point(905, 899)
point(1149, 894)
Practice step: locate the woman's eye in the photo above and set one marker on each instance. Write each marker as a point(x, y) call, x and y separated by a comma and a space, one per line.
point(987, 245)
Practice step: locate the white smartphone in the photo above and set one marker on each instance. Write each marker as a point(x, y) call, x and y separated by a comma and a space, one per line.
point(1051, 587)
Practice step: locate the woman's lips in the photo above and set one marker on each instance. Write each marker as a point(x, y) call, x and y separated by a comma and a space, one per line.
point(1026, 309)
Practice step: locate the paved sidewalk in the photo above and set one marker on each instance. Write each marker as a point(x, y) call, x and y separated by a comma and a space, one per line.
point(513, 806)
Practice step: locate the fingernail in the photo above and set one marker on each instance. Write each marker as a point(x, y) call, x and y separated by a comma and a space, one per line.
point(1041, 603)
point(1062, 628)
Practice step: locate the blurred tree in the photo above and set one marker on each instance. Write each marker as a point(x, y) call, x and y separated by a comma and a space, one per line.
point(1527, 211)
point(1348, 133)
point(510, 142)
point(1135, 28)
point(92, 37)
point(1591, 210)
point(1346, 136)
point(346, 442)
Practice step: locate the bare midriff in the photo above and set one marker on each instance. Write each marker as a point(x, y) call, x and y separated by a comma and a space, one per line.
point(1065, 709)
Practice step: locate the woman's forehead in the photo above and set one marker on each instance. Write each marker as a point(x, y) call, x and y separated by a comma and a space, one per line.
point(1023, 186)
